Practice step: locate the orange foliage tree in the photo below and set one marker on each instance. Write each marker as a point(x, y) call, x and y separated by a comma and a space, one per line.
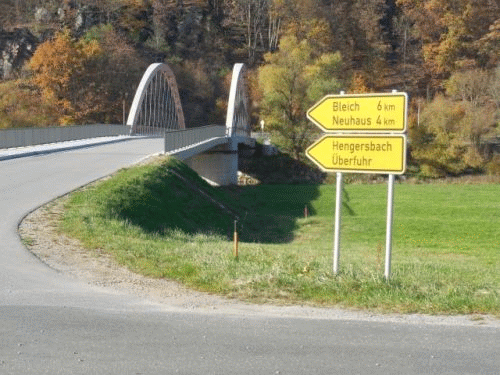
point(449, 31)
point(55, 64)
point(87, 79)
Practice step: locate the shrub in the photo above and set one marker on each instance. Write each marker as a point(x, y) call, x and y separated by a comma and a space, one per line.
point(493, 167)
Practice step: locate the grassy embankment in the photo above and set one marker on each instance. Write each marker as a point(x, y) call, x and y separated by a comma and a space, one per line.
point(446, 247)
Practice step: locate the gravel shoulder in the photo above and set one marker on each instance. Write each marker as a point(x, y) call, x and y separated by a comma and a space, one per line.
point(38, 232)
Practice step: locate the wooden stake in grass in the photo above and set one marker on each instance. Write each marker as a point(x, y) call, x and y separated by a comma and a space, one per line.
point(235, 237)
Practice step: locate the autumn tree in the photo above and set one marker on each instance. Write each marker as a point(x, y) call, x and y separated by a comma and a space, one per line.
point(438, 144)
point(306, 19)
point(252, 16)
point(494, 87)
point(55, 64)
point(21, 105)
point(473, 89)
point(14, 13)
point(450, 137)
point(262, 23)
point(469, 86)
point(108, 78)
point(291, 80)
point(357, 32)
point(489, 45)
point(450, 31)
point(87, 78)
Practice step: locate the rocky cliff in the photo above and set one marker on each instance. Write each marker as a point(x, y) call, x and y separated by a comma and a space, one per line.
point(16, 48)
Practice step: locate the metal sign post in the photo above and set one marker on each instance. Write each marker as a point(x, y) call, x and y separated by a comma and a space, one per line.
point(338, 208)
point(388, 233)
point(365, 134)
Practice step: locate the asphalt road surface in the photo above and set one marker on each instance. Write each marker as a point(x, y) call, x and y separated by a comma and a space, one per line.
point(52, 324)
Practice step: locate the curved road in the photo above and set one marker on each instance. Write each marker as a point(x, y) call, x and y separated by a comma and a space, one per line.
point(52, 324)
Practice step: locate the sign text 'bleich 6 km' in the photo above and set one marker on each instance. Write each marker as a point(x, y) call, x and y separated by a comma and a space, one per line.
point(367, 153)
point(370, 113)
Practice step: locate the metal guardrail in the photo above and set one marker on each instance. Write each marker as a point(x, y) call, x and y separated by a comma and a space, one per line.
point(178, 139)
point(21, 137)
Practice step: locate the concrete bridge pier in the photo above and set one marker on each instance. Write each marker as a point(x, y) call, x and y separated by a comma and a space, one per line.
point(218, 165)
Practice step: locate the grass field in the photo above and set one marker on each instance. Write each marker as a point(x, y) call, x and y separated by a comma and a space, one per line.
point(446, 244)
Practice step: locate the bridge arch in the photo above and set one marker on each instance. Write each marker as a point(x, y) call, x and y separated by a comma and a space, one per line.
point(238, 118)
point(156, 107)
point(212, 151)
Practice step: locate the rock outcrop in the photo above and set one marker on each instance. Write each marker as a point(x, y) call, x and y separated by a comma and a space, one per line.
point(16, 48)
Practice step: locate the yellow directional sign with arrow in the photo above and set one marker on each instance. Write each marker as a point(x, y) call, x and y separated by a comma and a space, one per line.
point(369, 113)
point(365, 134)
point(356, 153)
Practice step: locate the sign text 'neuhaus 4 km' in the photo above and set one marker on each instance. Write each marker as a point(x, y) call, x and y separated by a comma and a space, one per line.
point(365, 133)
point(370, 113)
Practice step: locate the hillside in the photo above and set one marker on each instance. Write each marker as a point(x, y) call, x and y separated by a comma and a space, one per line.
point(79, 61)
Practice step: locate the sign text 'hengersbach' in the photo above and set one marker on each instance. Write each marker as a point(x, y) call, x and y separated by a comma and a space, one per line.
point(360, 153)
point(365, 134)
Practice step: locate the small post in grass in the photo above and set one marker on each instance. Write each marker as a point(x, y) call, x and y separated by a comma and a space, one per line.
point(235, 239)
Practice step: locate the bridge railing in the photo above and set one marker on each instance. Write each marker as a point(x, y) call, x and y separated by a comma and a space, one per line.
point(178, 139)
point(21, 137)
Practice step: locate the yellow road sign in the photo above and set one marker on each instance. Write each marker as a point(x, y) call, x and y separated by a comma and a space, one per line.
point(367, 153)
point(368, 113)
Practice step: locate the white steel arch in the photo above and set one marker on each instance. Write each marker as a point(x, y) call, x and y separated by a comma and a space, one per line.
point(238, 119)
point(157, 107)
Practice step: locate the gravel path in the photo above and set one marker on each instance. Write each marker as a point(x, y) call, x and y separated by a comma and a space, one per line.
point(38, 231)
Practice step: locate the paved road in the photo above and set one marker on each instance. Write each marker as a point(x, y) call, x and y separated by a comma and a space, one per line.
point(51, 324)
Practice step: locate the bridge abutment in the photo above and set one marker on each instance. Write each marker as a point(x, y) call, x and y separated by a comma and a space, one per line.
point(219, 164)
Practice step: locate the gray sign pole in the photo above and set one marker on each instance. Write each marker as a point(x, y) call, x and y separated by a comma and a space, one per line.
point(338, 209)
point(388, 234)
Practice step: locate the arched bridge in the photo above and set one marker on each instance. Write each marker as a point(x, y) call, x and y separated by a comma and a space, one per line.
point(211, 150)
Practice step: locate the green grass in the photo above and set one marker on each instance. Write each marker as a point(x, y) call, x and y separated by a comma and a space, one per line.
point(446, 242)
